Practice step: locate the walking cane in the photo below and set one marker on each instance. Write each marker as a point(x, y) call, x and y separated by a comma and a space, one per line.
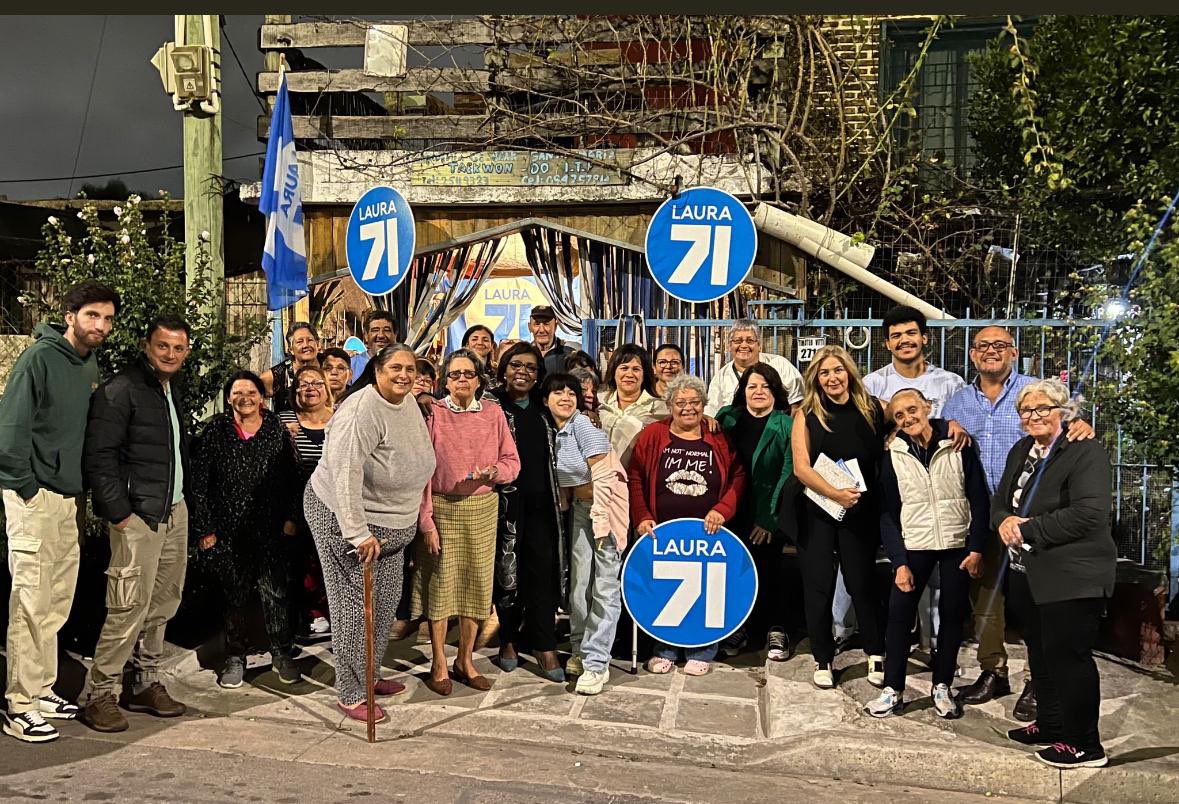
point(369, 651)
point(634, 647)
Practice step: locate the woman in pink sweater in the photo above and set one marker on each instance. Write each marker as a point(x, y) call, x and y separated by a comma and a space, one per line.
point(456, 555)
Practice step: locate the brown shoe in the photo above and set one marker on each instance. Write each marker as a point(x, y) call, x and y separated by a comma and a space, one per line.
point(154, 700)
point(439, 687)
point(401, 629)
point(102, 714)
point(479, 683)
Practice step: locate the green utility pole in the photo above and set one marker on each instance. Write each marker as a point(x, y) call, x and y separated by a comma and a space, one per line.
point(204, 215)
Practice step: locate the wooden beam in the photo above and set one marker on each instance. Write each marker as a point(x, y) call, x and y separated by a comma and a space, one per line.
point(419, 79)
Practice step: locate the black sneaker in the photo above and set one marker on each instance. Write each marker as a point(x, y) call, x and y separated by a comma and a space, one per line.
point(1063, 755)
point(777, 645)
point(30, 727)
point(735, 643)
point(1030, 735)
point(288, 672)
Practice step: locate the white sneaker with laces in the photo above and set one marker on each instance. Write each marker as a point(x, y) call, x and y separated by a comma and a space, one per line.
point(876, 671)
point(777, 646)
point(945, 704)
point(55, 707)
point(889, 703)
point(824, 679)
point(591, 682)
point(30, 727)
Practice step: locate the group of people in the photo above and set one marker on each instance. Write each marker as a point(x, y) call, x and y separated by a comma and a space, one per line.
point(512, 478)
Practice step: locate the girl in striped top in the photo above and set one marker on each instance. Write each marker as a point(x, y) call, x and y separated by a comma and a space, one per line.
point(312, 401)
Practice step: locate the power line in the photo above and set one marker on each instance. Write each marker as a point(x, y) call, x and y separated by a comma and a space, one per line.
point(121, 172)
point(89, 99)
point(245, 75)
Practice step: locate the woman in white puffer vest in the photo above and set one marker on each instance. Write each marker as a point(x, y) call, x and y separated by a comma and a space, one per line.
point(934, 512)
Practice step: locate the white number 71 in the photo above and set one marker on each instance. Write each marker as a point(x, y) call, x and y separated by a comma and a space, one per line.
point(692, 576)
point(701, 236)
point(384, 233)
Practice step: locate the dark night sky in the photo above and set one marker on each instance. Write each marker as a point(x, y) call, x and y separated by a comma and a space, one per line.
point(46, 64)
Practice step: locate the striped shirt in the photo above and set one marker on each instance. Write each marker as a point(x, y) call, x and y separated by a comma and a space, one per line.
point(308, 443)
point(577, 442)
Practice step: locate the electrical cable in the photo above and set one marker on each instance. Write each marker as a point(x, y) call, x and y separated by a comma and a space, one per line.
point(121, 172)
point(245, 75)
point(89, 99)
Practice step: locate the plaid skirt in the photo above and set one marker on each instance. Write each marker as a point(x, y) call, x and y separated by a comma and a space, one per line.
point(457, 582)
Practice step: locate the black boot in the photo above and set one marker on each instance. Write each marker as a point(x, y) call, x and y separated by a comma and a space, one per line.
point(986, 687)
point(1025, 707)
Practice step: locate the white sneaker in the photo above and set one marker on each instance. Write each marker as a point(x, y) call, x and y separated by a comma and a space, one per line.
point(824, 679)
point(945, 704)
point(55, 707)
point(574, 667)
point(591, 682)
point(889, 703)
point(876, 671)
point(30, 727)
point(320, 626)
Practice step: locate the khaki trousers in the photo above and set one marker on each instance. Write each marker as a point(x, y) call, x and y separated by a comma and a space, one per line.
point(143, 586)
point(43, 560)
point(986, 596)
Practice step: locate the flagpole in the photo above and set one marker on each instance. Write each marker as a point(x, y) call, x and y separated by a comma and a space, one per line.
point(278, 346)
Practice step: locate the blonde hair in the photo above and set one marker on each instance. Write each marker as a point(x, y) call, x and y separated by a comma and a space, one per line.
point(327, 389)
point(812, 394)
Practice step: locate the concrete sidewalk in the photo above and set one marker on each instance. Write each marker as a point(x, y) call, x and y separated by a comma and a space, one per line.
point(764, 719)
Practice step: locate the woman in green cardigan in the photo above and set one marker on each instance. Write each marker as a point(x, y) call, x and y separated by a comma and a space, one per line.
point(758, 423)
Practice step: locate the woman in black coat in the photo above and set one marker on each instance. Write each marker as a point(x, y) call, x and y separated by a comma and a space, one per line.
point(1052, 510)
point(245, 492)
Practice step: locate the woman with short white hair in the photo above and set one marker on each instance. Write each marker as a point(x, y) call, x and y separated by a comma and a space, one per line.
point(1052, 510)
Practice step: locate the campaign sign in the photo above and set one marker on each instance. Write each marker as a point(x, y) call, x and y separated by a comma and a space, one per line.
point(686, 587)
point(380, 240)
point(701, 244)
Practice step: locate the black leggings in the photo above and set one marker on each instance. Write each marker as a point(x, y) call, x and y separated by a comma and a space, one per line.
point(531, 619)
point(856, 541)
point(952, 607)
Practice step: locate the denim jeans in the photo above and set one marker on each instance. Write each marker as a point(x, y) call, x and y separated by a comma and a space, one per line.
point(595, 591)
point(704, 654)
point(842, 613)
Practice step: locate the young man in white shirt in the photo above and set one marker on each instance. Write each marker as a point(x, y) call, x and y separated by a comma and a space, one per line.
point(905, 336)
point(745, 350)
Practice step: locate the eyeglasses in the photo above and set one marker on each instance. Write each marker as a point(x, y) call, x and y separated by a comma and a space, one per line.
point(668, 363)
point(467, 374)
point(692, 405)
point(999, 346)
point(743, 341)
point(1042, 412)
point(516, 365)
point(310, 386)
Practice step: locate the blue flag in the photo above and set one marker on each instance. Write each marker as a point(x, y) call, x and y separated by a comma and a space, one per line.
point(284, 257)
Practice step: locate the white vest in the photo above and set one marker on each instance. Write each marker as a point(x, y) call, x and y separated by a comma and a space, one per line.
point(935, 514)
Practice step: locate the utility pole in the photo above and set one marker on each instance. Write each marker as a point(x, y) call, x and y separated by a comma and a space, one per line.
point(204, 214)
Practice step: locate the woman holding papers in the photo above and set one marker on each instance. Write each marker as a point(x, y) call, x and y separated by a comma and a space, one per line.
point(934, 515)
point(1052, 510)
point(838, 442)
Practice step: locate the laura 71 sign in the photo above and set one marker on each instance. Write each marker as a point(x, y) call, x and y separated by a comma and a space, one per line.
point(701, 244)
point(689, 588)
point(380, 241)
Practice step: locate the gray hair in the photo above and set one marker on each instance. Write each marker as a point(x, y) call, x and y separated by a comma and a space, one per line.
point(745, 325)
point(582, 374)
point(1057, 394)
point(684, 382)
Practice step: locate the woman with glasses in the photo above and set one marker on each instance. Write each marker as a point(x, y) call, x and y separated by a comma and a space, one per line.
point(302, 351)
point(529, 521)
point(840, 420)
point(669, 364)
point(1052, 511)
point(455, 558)
point(628, 398)
point(426, 381)
point(306, 423)
point(681, 469)
point(362, 506)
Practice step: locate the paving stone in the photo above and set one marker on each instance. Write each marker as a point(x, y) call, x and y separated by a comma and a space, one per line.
point(546, 699)
point(717, 717)
point(732, 683)
point(616, 706)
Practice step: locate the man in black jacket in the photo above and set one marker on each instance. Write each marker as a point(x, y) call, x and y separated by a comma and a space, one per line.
point(135, 459)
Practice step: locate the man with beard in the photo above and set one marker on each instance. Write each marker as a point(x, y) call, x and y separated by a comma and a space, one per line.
point(42, 426)
point(905, 336)
point(379, 331)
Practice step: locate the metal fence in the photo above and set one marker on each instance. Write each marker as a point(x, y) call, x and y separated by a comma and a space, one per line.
point(1063, 348)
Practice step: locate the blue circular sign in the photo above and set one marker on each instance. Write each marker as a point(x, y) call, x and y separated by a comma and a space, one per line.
point(689, 588)
point(701, 244)
point(380, 241)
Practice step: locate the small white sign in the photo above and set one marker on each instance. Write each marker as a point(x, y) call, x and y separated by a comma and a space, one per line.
point(807, 347)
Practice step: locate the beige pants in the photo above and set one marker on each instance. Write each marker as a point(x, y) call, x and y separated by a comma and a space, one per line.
point(986, 596)
point(43, 560)
point(143, 586)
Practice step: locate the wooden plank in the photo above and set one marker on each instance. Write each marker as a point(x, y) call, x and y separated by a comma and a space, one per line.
point(419, 79)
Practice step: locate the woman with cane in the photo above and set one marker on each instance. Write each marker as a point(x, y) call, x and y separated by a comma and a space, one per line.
point(362, 506)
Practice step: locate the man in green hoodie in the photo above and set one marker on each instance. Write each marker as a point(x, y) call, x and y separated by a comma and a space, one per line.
point(43, 417)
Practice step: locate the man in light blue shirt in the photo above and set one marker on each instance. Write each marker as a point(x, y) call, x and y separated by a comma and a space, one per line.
point(986, 409)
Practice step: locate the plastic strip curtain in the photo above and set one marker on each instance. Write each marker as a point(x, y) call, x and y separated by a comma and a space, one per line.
point(550, 256)
point(439, 288)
